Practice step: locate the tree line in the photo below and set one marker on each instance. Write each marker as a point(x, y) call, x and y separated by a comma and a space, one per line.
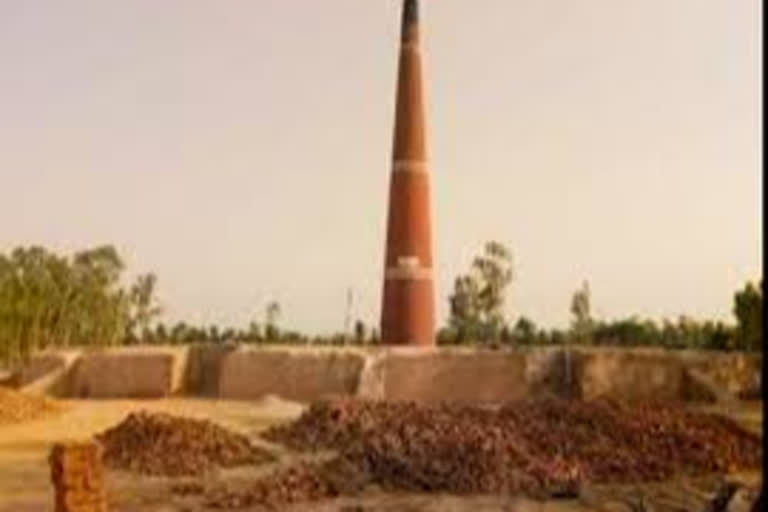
point(477, 313)
point(51, 300)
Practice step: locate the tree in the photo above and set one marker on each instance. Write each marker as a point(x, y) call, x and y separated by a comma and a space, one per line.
point(717, 336)
point(465, 320)
point(448, 335)
point(179, 333)
point(273, 314)
point(581, 325)
point(524, 331)
point(625, 332)
point(555, 337)
point(748, 310)
point(49, 300)
point(144, 308)
point(253, 335)
point(104, 307)
point(477, 302)
point(161, 333)
point(360, 332)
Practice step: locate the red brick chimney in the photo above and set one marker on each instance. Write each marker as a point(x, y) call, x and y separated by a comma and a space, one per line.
point(408, 308)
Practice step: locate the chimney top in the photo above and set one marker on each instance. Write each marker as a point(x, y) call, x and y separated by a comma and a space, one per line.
point(410, 15)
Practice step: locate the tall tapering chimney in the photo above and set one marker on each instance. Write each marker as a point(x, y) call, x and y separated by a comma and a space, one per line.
point(408, 308)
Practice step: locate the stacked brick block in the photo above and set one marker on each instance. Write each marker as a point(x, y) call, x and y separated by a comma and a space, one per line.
point(78, 477)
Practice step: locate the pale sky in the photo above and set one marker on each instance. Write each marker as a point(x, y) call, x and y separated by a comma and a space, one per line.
point(240, 149)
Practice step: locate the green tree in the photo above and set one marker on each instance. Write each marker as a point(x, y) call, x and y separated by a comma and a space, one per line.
point(625, 332)
point(161, 334)
point(748, 310)
point(360, 332)
point(524, 331)
point(272, 332)
point(465, 319)
point(48, 300)
point(254, 333)
point(581, 309)
point(477, 302)
point(143, 302)
point(180, 332)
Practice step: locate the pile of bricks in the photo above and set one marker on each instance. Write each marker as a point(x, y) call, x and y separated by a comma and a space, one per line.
point(160, 444)
point(78, 477)
point(542, 446)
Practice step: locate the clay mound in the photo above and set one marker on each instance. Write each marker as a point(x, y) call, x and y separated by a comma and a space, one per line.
point(16, 407)
point(528, 447)
point(159, 444)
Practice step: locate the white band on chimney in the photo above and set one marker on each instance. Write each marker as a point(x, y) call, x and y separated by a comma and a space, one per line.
point(419, 166)
point(408, 268)
point(408, 274)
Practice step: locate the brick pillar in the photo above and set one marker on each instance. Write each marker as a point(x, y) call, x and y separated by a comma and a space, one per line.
point(407, 316)
point(78, 477)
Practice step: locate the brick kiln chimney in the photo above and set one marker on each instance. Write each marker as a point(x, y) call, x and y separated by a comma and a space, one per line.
point(408, 308)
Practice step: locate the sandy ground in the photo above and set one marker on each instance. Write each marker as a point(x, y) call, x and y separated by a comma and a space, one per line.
point(24, 478)
point(25, 484)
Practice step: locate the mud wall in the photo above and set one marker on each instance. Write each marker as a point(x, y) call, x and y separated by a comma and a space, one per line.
point(49, 374)
point(38, 367)
point(300, 375)
point(203, 369)
point(627, 374)
point(136, 372)
point(639, 373)
point(736, 372)
point(403, 373)
point(468, 375)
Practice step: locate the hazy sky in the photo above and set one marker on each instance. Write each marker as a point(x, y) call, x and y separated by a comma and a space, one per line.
point(240, 149)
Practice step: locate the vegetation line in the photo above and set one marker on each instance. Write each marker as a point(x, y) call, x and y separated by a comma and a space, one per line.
point(49, 300)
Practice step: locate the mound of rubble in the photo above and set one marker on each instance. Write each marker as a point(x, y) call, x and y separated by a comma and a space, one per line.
point(16, 407)
point(160, 444)
point(531, 447)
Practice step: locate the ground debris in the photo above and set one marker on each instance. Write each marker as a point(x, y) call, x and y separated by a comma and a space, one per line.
point(16, 407)
point(542, 446)
point(541, 449)
point(164, 445)
point(303, 482)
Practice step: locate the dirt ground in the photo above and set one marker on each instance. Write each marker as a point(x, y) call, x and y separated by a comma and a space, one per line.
point(25, 484)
